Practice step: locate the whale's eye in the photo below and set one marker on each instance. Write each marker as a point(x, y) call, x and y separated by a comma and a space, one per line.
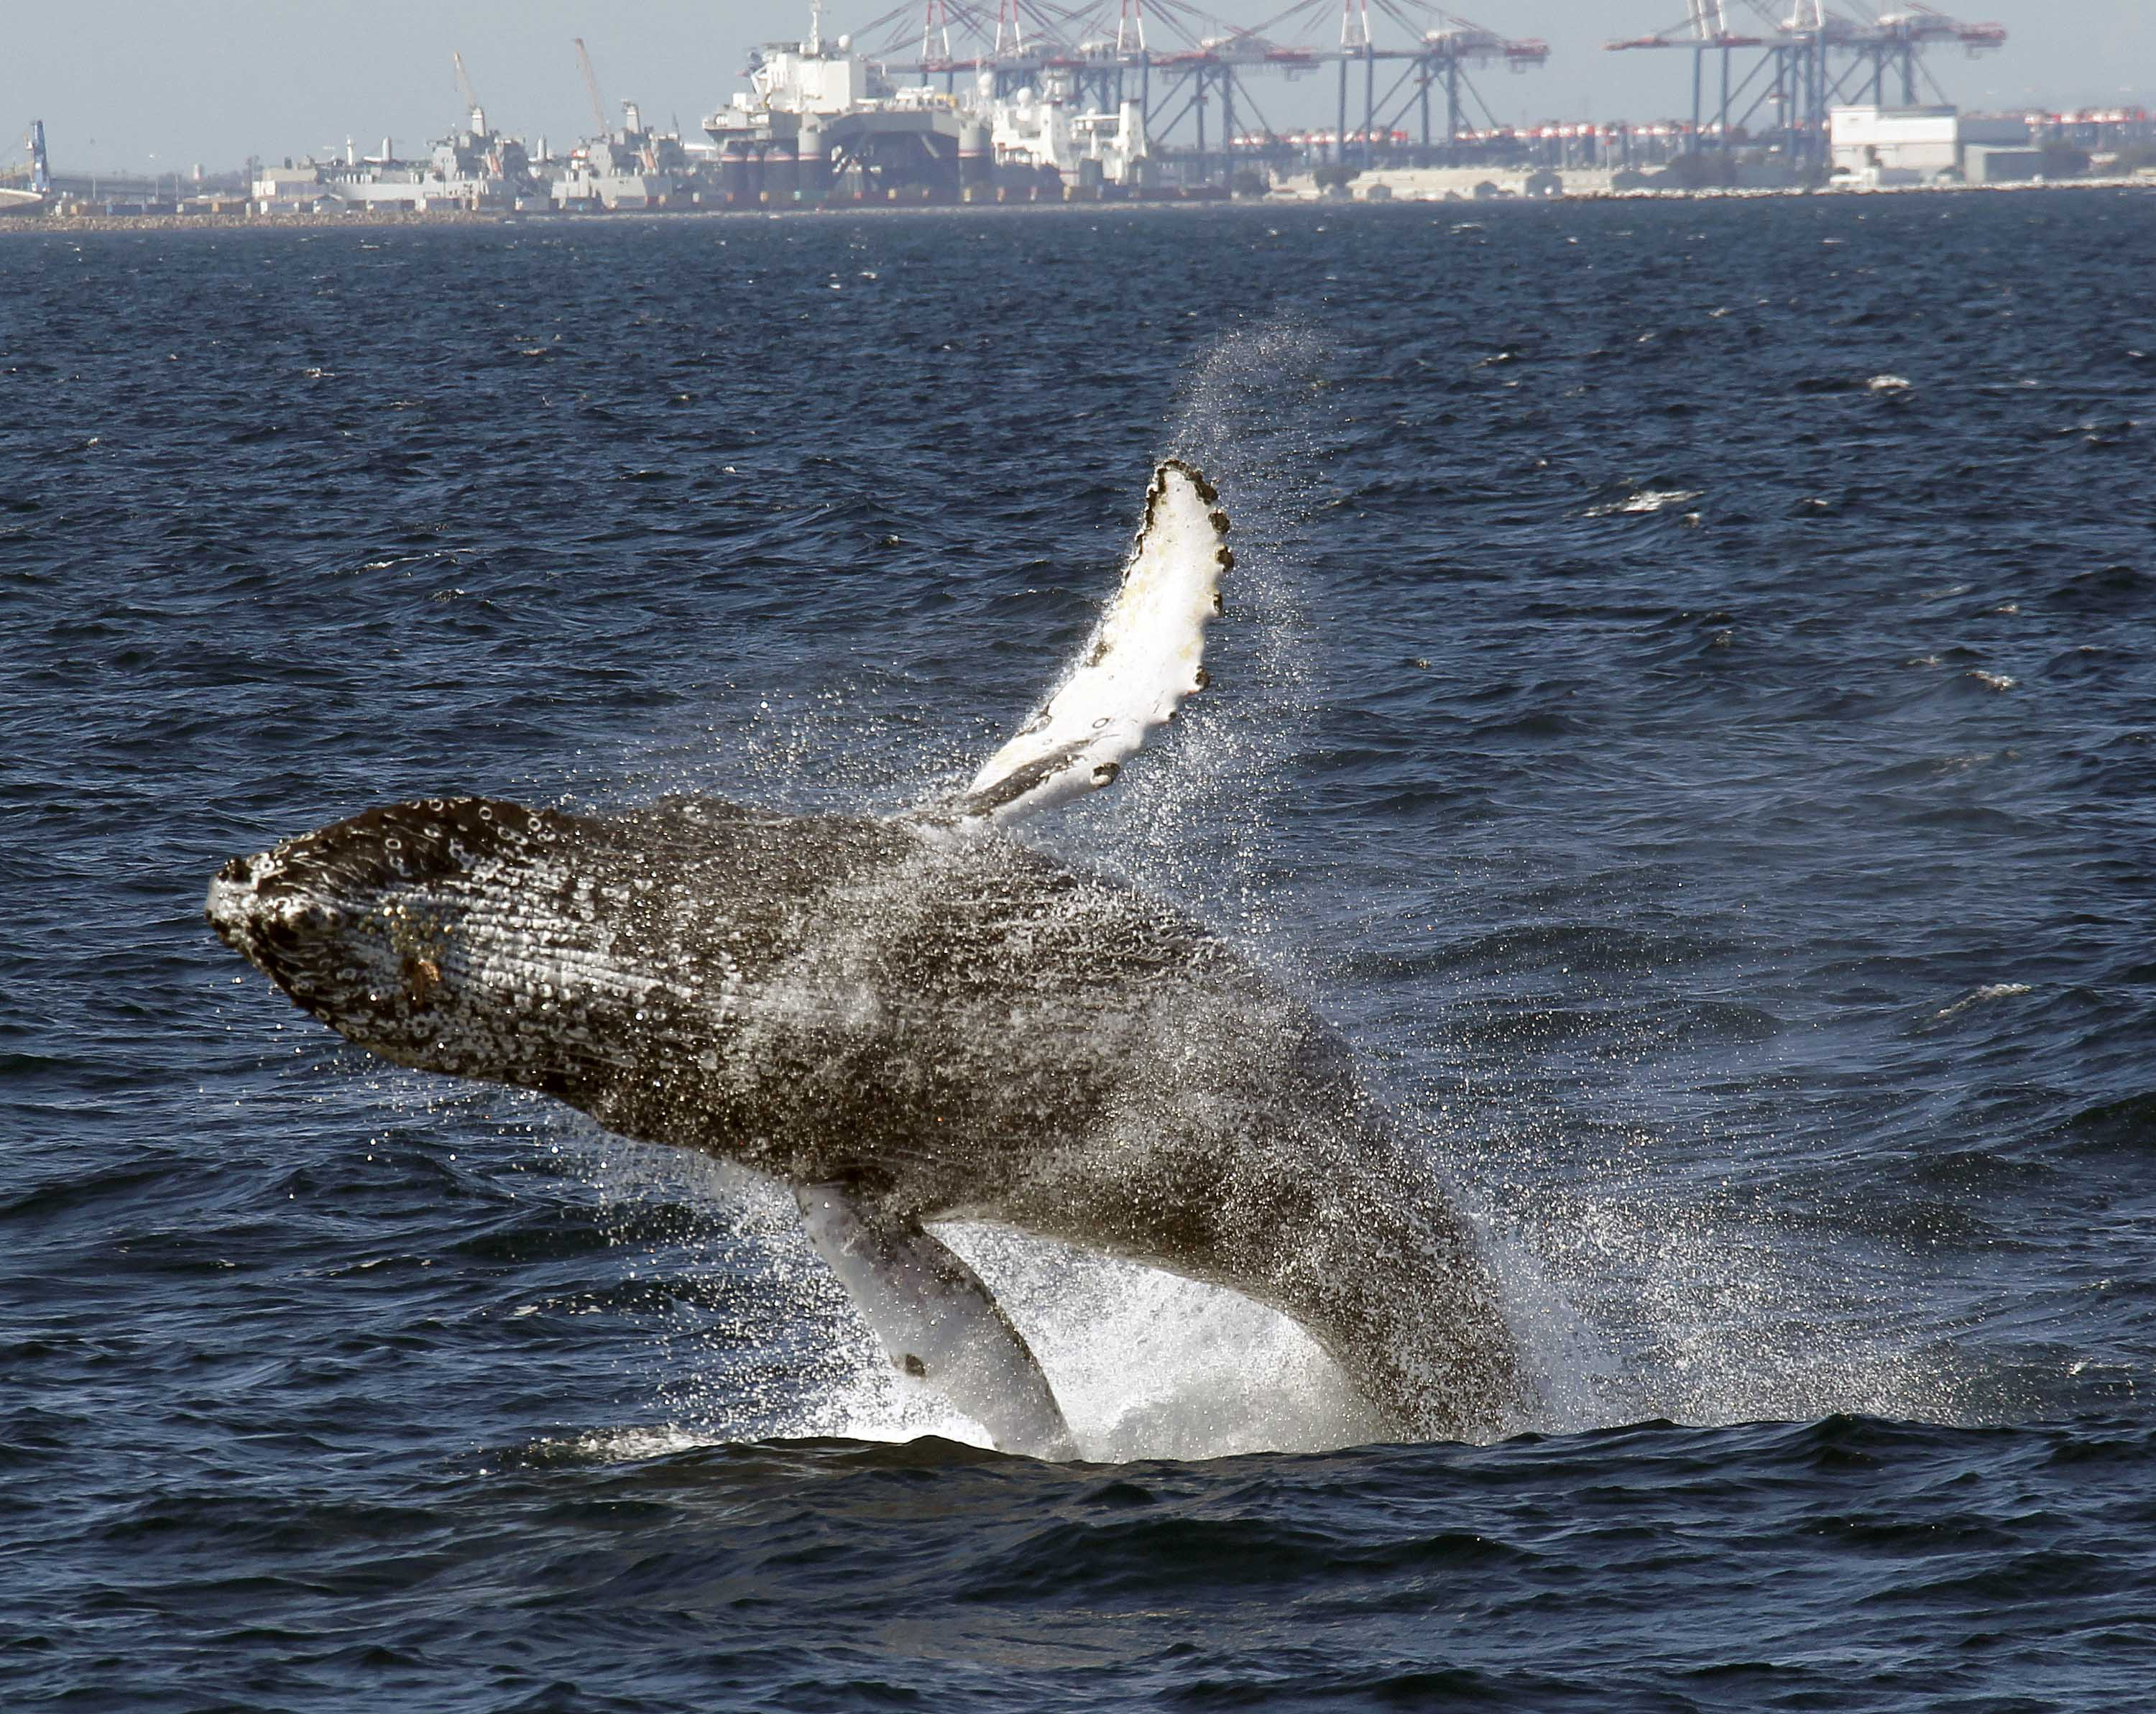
point(914, 1366)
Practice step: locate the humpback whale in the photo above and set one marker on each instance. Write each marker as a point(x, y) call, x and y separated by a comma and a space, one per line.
point(916, 1019)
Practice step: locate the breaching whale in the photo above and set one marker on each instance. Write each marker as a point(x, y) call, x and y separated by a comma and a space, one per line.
point(915, 1018)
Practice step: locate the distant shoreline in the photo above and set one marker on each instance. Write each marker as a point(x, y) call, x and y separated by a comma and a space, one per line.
point(447, 220)
point(73, 225)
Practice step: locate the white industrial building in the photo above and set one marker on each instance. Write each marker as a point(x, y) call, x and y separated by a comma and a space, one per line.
point(1878, 147)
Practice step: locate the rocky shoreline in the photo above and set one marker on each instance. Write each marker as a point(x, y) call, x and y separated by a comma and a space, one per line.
point(1293, 195)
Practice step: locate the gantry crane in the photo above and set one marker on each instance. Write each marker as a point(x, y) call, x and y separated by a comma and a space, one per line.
point(1795, 80)
point(1198, 64)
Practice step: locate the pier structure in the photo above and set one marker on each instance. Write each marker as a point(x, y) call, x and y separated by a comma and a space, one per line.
point(1404, 70)
point(1769, 76)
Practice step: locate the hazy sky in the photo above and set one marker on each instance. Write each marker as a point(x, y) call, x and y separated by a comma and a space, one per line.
point(159, 85)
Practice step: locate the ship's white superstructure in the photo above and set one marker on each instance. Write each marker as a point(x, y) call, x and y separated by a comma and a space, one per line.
point(474, 169)
point(628, 168)
point(1047, 128)
point(818, 117)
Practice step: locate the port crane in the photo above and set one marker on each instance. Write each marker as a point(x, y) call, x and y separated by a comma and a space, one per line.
point(1796, 75)
point(504, 155)
point(632, 135)
point(41, 171)
point(592, 84)
point(477, 113)
point(1184, 64)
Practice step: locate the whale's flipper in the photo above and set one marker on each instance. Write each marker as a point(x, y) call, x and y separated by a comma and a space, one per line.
point(937, 1320)
point(1142, 659)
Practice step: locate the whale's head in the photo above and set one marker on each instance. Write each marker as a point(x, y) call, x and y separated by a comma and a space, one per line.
point(422, 930)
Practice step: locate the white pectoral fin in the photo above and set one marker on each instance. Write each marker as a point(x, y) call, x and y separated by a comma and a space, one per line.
point(937, 1322)
point(1144, 658)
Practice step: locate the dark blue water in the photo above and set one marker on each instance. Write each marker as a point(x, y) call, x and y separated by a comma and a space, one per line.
point(1685, 712)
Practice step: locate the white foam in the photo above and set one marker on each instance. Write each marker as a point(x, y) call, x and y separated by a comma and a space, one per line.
point(1144, 1365)
point(1978, 997)
point(1147, 1365)
point(1646, 500)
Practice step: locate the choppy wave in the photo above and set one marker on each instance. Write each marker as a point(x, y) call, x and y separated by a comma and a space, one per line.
point(1745, 901)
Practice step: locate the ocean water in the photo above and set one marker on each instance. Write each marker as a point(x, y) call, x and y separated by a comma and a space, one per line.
point(1684, 709)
